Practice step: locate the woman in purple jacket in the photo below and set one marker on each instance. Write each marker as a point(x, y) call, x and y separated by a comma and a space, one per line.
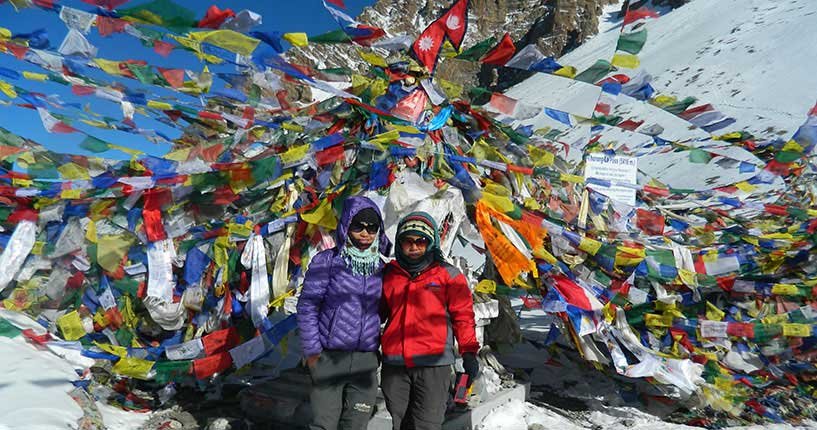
point(339, 320)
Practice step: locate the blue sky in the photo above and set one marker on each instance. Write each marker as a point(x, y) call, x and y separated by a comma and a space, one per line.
point(278, 15)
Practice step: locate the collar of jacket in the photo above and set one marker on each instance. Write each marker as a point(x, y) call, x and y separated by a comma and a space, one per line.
point(396, 266)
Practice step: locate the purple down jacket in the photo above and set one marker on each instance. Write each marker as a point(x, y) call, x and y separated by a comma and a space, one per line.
point(338, 309)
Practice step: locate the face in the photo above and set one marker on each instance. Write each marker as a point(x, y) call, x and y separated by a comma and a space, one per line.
point(363, 234)
point(413, 246)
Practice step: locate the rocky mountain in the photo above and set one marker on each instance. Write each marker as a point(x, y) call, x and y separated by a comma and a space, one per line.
point(555, 26)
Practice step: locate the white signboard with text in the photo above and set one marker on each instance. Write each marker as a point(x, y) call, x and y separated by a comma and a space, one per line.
point(615, 168)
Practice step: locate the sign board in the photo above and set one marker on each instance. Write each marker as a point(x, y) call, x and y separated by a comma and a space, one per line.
point(616, 168)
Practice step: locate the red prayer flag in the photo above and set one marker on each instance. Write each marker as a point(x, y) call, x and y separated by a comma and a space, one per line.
point(501, 53)
point(214, 17)
point(456, 22)
point(329, 155)
point(650, 222)
point(162, 48)
point(108, 26)
point(209, 366)
point(175, 77)
point(221, 340)
point(427, 47)
point(503, 103)
point(640, 13)
point(338, 3)
point(411, 106)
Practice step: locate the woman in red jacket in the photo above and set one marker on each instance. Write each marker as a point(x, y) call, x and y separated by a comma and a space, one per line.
point(427, 303)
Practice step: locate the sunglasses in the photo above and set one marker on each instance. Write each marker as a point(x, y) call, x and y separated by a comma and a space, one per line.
point(420, 241)
point(370, 228)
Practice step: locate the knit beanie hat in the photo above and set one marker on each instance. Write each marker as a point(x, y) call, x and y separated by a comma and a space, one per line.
point(420, 224)
point(367, 216)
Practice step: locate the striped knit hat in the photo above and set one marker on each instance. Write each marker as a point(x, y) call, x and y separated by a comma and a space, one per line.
point(420, 224)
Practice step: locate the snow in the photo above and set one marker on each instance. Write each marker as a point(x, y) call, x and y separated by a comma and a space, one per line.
point(35, 383)
point(753, 59)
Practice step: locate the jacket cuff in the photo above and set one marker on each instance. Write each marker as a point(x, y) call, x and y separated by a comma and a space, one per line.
point(474, 347)
point(308, 352)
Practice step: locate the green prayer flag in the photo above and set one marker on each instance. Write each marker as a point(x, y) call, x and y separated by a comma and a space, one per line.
point(7, 329)
point(476, 52)
point(699, 156)
point(167, 371)
point(94, 145)
point(337, 36)
point(595, 72)
point(163, 13)
point(632, 42)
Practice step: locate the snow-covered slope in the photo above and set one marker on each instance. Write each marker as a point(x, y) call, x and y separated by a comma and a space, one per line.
point(754, 60)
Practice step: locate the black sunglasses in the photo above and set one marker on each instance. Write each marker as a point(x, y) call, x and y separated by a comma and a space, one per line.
point(370, 228)
point(420, 241)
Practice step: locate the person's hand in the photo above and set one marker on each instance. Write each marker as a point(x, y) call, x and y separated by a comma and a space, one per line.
point(312, 360)
point(471, 366)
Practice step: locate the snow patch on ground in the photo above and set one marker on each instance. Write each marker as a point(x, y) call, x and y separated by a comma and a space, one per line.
point(753, 60)
point(35, 382)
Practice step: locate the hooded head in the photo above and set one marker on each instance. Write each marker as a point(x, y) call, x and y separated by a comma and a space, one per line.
point(363, 206)
point(419, 224)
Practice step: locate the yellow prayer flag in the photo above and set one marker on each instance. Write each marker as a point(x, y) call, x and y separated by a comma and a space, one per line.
point(159, 105)
point(785, 290)
point(111, 249)
point(792, 146)
point(38, 248)
point(797, 330)
point(125, 149)
point(296, 39)
point(291, 126)
point(486, 286)
point(7, 89)
point(713, 313)
point(133, 367)
point(567, 72)
point(372, 58)
point(745, 186)
point(294, 154)
point(119, 351)
point(589, 246)
point(71, 326)
point(108, 66)
point(35, 76)
point(389, 136)
point(775, 319)
point(230, 40)
point(540, 157)
point(688, 277)
point(664, 100)
point(71, 194)
point(452, 90)
point(323, 216)
point(5, 33)
point(627, 61)
point(575, 179)
point(220, 255)
point(73, 171)
point(653, 320)
point(90, 234)
point(178, 155)
point(627, 256)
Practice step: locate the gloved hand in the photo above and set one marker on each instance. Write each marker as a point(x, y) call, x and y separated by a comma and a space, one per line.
point(471, 366)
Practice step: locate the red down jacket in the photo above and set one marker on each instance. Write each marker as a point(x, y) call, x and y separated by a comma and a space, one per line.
point(424, 315)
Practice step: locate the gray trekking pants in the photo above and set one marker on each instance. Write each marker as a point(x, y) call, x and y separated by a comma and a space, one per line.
point(416, 397)
point(344, 390)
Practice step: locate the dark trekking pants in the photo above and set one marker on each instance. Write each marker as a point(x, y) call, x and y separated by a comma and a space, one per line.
point(344, 390)
point(416, 397)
